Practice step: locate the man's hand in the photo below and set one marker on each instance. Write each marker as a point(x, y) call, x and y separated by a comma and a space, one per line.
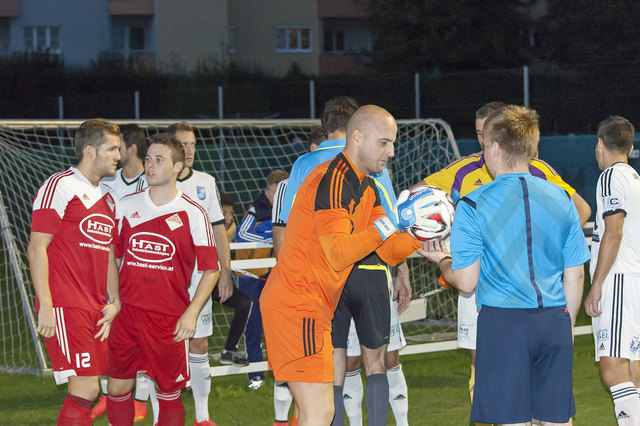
point(402, 286)
point(186, 326)
point(410, 209)
point(592, 300)
point(109, 312)
point(46, 321)
point(225, 286)
point(433, 251)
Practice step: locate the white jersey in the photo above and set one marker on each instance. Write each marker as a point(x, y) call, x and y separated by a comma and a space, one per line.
point(278, 199)
point(201, 188)
point(122, 186)
point(618, 191)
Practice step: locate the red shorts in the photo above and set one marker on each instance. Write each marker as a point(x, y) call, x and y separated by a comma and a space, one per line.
point(142, 341)
point(299, 349)
point(73, 350)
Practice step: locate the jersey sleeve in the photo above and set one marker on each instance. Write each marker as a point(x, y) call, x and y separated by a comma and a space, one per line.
point(295, 180)
point(575, 250)
point(215, 208)
point(611, 189)
point(49, 205)
point(202, 235)
point(443, 179)
point(466, 238)
point(385, 190)
point(551, 175)
point(249, 230)
point(278, 200)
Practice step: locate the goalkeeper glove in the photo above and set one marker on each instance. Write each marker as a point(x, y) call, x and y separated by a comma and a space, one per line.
point(411, 208)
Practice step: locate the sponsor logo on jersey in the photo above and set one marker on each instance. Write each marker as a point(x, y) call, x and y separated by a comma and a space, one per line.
point(635, 344)
point(174, 222)
point(205, 318)
point(85, 197)
point(151, 247)
point(135, 215)
point(478, 182)
point(98, 228)
point(603, 334)
point(180, 378)
point(601, 347)
point(202, 192)
point(622, 415)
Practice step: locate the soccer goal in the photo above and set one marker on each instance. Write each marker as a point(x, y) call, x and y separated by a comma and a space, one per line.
point(240, 154)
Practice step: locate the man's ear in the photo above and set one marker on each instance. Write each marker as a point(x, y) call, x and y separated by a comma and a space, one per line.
point(178, 166)
point(89, 152)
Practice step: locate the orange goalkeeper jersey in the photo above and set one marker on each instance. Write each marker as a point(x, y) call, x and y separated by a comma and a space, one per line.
point(329, 229)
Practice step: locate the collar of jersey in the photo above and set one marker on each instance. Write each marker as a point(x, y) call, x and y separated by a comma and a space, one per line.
point(512, 175)
point(187, 176)
point(331, 144)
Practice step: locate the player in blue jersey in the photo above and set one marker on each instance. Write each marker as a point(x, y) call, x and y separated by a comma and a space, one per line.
point(518, 239)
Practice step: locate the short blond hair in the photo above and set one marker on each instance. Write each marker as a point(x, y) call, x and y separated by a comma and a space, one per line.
point(182, 126)
point(276, 176)
point(516, 129)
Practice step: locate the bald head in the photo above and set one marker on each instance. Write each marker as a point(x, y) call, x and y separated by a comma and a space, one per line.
point(371, 132)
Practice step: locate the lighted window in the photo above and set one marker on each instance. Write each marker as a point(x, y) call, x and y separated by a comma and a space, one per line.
point(293, 39)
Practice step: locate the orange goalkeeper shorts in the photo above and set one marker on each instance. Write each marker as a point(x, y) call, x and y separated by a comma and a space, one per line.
point(299, 348)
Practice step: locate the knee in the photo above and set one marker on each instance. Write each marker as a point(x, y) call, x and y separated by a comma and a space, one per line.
point(245, 305)
point(353, 363)
point(199, 345)
point(119, 387)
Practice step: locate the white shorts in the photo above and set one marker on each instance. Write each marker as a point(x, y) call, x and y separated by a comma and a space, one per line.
point(204, 323)
point(396, 336)
point(467, 320)
point(616, 331)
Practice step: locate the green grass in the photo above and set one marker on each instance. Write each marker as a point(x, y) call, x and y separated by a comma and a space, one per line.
point(437, 394)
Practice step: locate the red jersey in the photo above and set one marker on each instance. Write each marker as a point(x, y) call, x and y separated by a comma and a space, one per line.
point(81, 218)
point(159, 246)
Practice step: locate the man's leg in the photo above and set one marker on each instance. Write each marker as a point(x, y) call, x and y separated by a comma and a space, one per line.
point(281, 402)
point(140, 398)
point(635, 374)
point(200, 377)
point(398, 392)
point(76, 409)
point(339, 370)
point(616, 374)
point(253, 333)
point(377, 385)
point(101, 406)
point(314, 401)
point(120, 407)
point(241, 305)
point(353, 391)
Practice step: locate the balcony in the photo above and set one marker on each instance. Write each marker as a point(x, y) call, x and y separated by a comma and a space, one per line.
point(130, 7)
point(347, 63)
point(9, 8)
point(138, 60)
point(343, 9)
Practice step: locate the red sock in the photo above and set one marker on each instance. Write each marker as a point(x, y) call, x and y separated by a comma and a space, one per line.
point(171, 409)
point(294, 420)
point(120, 409)
point(75, 411)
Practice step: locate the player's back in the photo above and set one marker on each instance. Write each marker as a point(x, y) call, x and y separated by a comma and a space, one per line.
point(81, 218)
point(303, 280)
point(618, 190)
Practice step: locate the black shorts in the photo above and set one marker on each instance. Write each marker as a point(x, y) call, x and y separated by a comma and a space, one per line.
point(365, 298)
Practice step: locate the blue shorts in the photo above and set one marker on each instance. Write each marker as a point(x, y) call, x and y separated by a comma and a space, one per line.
point(523, 366)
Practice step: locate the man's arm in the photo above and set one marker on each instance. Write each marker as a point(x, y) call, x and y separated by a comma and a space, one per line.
point(609, 247)
point(39, 267)
point(573, 282)
point(186, 326)
point(225, 285)
point(112, 308)
point(402, 285)
point(584, 211)
point(278, 237)
point(465, 279)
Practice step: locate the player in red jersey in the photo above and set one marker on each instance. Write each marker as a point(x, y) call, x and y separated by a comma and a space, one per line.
point(73, 268)
point(163, 236)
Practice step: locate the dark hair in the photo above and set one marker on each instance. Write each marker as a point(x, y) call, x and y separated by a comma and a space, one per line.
point(617, 134)
point(177, 151)
point(337, 112)
point(226, 199)
point(132, 134)
point(317, 135)
point(92, 132)
point(489, 108)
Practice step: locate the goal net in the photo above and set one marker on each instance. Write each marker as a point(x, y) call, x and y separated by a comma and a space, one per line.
point(239, 154)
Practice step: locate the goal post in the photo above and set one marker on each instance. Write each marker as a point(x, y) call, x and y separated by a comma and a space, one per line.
point(239, 154)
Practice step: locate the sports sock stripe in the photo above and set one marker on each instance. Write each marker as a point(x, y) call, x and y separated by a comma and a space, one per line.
point(80, 401)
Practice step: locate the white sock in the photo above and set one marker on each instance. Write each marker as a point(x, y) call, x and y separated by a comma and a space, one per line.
point(352, 394)
point(200, 384)
point(155, 406)
point(398, 395)
point(103, 385)
point(142, 389)
point(626, 404)
point(281, 400)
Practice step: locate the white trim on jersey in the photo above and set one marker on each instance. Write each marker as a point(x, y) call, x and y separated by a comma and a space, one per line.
point(278, 199)
point(122, 186)
point(49, 187)
point(61, 333)
point(207, 225)
point(244, 232)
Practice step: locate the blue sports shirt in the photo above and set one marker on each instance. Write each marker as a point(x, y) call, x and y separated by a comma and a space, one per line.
point(526, 231)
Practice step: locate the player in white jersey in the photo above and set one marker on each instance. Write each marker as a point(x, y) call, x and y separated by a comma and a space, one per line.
point(129, 178)
point(73, 268)
point(201, 187)
point(163, 237)
point(614, 299)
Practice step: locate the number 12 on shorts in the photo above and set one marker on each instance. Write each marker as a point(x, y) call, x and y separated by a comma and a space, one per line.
point(83, 360)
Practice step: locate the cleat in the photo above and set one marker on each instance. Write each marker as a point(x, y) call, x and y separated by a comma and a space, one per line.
point(234, 357)
point(100, 408)
point(140, 408)
point(256, 383)
point(207, 422)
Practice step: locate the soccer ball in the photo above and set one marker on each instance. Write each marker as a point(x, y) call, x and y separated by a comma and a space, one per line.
point(444, 218)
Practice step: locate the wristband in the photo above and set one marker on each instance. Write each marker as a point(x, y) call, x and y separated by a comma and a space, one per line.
point(443, 259)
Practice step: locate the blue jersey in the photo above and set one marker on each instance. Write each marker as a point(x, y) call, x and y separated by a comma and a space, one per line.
point(325, 152)
point(526, 231)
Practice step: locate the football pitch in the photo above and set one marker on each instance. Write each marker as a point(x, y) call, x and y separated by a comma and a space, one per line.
point(437, 394)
